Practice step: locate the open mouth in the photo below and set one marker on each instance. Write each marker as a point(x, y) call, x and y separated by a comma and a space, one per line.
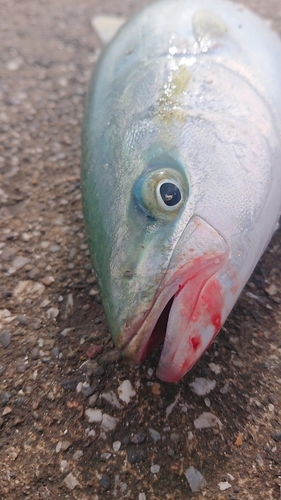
point(185, 318)
point(189, 307)
point(159, 331)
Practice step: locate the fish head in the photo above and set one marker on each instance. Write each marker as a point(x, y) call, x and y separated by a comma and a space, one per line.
point(174, 192)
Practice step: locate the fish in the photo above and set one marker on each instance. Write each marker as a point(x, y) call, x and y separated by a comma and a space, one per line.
point(181, 173)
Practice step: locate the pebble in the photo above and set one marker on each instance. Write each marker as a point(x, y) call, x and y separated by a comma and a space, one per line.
point(5, 338)
point(63, 465)
point(206, 420)
point(108, 423)
point(22, 319)
point(52, 313)
point(55, 248)
point(69, 384)
point(277, 437)
point(174, 437)
point(116, 446)
point(111, 398)
point(37, 324)
point(71, 482)
point(45, 303)
point(259, 460)
point(92, 400)
point(88, 391)
point(6, 411)
point(5, 398)
point(106, 26)
point(155, 435)
point(138, 438)
point(225, 388)
point(215, 368)
point(56, 352)
point(48, 280)
point(93, 415)
point(126, 391)
point(78, 454)
point(20, 366)
point(105, 482)
point(28, 288)
point(18, 263)
point(65, 331)
point(135, 454)
point(202, 386)
point(195, 479)
point(155, 469)
point(224, 485)
point(93, 351)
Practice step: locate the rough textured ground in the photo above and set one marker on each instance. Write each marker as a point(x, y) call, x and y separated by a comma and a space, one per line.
point(51, 318)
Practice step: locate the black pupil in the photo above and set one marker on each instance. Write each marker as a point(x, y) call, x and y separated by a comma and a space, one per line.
point(170, 194)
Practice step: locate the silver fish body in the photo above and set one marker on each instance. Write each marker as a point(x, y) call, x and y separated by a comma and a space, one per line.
point(181, 172)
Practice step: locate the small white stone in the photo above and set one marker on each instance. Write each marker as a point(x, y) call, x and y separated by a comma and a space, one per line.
point(207, 402)
point(70, 481)
point(224, 485)
point(108, 423)
point(116, 446)
point(206, 420)
point(18, 263)
point(155, 469)
point(52, 313)
point(150, 372)
point(195, 479)
point(93, 415)
point(28, 288)
point(58, 447)
point(155, 435)
point(215, 368)
point(126, 391)
point(142, 496)
point(79, 387)
point(45, 303)
point(63, 465)
point(202, 386)
point(231, 477)
point(65, 331)
point(78, 454)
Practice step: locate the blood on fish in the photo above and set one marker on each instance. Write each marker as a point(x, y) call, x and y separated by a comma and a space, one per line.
point(196, 342)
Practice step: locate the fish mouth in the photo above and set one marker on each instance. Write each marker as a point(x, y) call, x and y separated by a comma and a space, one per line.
point(188, 310)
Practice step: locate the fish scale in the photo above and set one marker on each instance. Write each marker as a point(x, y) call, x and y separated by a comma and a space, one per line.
point(186, 100)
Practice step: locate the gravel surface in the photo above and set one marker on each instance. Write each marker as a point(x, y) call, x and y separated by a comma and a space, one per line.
point(77, 422)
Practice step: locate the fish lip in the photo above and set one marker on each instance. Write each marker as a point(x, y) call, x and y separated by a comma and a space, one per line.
point(135, 349)
point(198, 257)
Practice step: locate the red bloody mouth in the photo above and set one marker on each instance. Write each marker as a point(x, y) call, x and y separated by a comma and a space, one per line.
point(188, 309)
point(190, 305)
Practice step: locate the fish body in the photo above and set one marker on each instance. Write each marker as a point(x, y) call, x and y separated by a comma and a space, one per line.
point(181, 173)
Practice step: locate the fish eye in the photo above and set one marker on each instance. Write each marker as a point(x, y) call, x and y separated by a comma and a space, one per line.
point(162, 193)
point(169, 193)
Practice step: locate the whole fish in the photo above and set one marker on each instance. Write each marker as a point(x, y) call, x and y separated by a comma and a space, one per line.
point(181, 173)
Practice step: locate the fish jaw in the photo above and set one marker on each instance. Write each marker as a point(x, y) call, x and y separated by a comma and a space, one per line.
point(189, 308)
